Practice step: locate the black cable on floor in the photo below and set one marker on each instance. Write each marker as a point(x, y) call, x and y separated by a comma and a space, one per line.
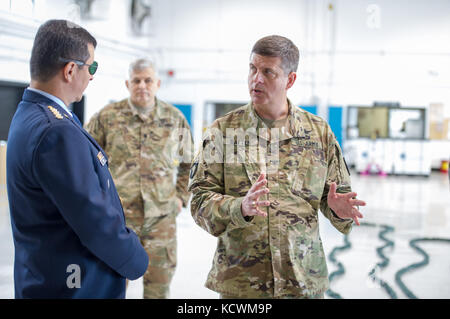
point(385, 261)
point(341, 269)
point(424, 262)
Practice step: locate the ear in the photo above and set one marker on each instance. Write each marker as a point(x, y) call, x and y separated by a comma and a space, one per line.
point(69, 71)
point(127, 84)
point(291, 80)
point(159, 84)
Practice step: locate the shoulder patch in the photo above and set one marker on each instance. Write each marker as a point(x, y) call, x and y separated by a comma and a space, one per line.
point(55, 112)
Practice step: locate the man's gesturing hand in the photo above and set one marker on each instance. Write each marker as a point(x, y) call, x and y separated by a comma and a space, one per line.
point(343, 205)
point(250, 204)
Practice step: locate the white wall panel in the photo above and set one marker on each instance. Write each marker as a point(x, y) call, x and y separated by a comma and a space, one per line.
point(352, 52)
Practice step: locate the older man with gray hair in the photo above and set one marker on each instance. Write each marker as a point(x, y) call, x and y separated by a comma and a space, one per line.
point(143, 137)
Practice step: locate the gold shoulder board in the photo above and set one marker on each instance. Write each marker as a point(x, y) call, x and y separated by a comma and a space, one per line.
point(55, 112)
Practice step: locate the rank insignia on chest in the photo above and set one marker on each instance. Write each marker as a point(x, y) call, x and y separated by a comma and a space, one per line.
point(101, 158)
point(55, 112)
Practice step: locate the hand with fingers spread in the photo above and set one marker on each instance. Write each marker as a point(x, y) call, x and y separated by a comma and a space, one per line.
point(250, 205)
point(344, 205)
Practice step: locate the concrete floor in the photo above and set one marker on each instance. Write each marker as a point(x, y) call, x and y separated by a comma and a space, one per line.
point(415, 207)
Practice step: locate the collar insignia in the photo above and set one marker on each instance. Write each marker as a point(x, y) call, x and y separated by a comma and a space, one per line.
point(55, 112)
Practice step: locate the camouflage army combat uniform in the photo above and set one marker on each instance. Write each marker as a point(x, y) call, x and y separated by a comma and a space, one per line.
point(281, 255)
point(143, 151)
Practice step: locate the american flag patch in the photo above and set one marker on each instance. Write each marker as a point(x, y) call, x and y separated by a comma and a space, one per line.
point(101, 158)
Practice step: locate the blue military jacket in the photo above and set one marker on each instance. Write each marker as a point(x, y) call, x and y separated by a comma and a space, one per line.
point(68, 224)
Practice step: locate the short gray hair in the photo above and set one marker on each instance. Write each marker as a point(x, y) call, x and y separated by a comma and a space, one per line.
point(141, 64)
point(278, 46)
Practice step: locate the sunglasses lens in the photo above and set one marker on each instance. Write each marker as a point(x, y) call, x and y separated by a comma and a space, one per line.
point(93, 68)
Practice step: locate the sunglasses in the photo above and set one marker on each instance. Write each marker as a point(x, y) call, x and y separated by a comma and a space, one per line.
point(92, 67)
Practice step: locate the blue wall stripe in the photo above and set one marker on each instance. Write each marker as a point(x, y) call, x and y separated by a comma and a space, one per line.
point(186, 109)
point(309, 108)
point(335, 121)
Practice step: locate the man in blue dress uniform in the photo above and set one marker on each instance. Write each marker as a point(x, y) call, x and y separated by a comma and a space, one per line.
point(68, 224)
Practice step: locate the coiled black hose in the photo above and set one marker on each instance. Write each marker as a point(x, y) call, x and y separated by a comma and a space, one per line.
point(385, 261)
point(424, 262)
point(372, 274)
point(341, 269)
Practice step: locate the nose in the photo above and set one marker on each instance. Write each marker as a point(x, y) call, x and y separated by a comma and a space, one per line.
point(258, 77)
point(141, 84)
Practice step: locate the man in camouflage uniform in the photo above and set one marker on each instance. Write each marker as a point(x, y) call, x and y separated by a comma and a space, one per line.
point(258, 181)
point(143, 138)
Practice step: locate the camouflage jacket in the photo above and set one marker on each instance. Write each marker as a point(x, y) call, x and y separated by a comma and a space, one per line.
point(143, 153)
point(280, 255)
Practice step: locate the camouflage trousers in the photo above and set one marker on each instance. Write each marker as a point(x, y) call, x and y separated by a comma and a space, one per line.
point(318, 296)
point(158, 236)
